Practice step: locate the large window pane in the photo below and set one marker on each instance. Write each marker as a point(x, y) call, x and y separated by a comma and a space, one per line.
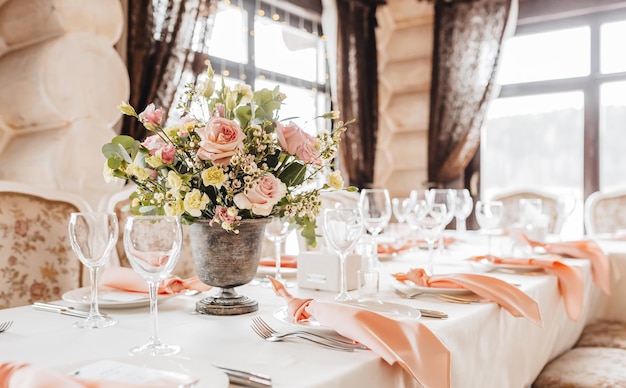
point(612, 135)
point(543, 56)
point(229, 36)
point(286, 50)
point(533, 141)
point(612, 54)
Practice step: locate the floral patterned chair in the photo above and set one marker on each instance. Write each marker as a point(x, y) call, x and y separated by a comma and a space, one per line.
point(605, 212)
point(119, 203)
point(36, 260)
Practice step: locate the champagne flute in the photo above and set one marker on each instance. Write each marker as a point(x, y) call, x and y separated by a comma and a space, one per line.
point(277, 231)
point(430, 219)
point(488, 216)
point(93, 237)
point(152, 245)
point(464, 204)
point(342, 229)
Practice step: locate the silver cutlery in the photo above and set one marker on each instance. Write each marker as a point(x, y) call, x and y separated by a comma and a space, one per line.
point(432, 313)
point(4, 326)
point(440, 296)
point(263, 330)
point(63, 310)
point(246, 379)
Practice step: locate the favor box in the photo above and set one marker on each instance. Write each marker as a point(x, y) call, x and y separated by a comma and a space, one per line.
point(320, 270)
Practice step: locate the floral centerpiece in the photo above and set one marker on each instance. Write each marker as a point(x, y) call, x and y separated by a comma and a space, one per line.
point(229, 157)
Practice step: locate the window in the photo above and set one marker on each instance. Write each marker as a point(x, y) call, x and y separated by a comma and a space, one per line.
point(559, 123)
point(264, 45)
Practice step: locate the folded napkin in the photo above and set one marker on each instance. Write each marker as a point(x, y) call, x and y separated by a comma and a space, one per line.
point(570, 279)
point(506, 295)
point(286, 261)
point(583, 249)
point(126, 279)
point(404, 341)
point(388, 249)
point(22, 375)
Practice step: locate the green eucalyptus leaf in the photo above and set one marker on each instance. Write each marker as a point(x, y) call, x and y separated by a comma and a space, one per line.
point(293, 174)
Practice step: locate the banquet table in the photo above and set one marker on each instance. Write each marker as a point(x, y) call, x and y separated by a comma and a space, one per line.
point(488, 346)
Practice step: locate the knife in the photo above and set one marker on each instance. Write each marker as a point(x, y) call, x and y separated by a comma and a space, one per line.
point(246, 379)
point(433, 314)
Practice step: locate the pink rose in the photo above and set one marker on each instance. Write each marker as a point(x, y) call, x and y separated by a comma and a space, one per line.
point(222, 215)
point(151, 115)
point(157, 146)
point(295, 141)
point(220, 140)
point(263, 195)
point(219, 110)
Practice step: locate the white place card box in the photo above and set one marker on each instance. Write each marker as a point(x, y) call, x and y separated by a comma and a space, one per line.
point(319, 270)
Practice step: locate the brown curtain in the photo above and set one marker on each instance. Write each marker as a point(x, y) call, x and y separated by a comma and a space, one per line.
point(159, 51)
point(467, 41)
point(357, 87)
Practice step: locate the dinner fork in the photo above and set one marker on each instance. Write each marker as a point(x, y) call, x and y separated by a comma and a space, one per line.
point(4, 326)
point(263, 330)
point(444, 297)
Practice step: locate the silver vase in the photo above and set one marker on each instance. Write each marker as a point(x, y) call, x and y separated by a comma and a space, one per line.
point(227, 260)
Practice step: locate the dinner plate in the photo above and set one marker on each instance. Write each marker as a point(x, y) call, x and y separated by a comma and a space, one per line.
point(110, 298)
point(387, 308)
point(408, 287)
point(160, 371)
point(519, 268)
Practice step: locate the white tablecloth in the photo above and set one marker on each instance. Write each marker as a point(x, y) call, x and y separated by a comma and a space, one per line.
point(488, 346)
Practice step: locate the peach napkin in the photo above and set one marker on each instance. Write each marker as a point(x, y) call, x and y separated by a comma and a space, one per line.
point(506, 295)
point(22, 375)
point(126, 279)
point(286, 261)
point(404, 341)
point(389, 249)
point(570, 279)
point(585, 249)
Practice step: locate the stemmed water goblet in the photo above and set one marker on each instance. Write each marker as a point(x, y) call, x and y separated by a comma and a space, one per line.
point(93, 237)
point(277, 231)
point(342, 229)
point(375, 207)
point(401, 210)
point(488, 216)
point(445, 197)
point(464, 204)
point(152, 245)
point(430, 219)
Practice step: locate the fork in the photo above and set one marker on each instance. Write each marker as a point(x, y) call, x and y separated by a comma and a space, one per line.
point(263, 330)
point(4, 326)
point(444, 297)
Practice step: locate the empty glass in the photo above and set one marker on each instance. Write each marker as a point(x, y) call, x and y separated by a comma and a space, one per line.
point(342, 229)
point(431, 220)
point(488, 216)
point(464, 204)
point(277, 231)
point(152, 245)
point(93, 237)
point(446, 197)
point(376, 210)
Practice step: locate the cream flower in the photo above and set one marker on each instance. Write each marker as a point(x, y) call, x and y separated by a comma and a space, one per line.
point(135, 170)
point(196, 201)
point(174, 208)
point(335, 180)
point(214, 176)
point(174, 181)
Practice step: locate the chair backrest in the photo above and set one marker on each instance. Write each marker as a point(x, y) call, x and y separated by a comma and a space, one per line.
point(549, 207)
point(36, 259)
point(119, 203)
point(605, 212)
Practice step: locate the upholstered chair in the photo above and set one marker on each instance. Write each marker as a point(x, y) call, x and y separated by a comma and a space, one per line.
point(549, 206)
point(605, 212)
point(36, 259)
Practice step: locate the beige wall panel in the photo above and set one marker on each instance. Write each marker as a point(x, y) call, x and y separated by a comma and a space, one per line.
point(407, 43)
point(410, 11)
point(408, 110)
point(407, 76)
point(25, 22)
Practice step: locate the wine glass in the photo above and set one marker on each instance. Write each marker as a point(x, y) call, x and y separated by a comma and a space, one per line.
point(488, 216)
point(152, 245)
point(375, 207)
point(93, 237)
point(430, 219)
point(277, 231)
point(342, 229)
point(464, 204)
point(445, 197)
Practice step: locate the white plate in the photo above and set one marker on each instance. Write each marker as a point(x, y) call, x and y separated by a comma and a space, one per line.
point(170, 371)
point(285, 271)
point(387, 308)
point(520, 268)
point(109, 298)
point(409, 287)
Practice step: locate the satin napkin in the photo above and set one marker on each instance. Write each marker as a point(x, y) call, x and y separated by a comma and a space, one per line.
point(404, 341)
point(506, 295)
point(286, 261)
point(570, 279)
point(582, 249)
point(126, 279)
point(22, 375)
